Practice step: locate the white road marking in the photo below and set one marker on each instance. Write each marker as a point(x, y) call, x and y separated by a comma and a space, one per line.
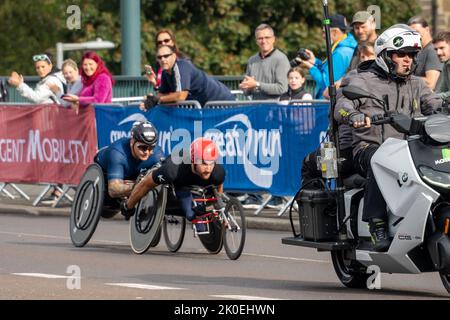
point(46, 236)
point(42, 275)
point(241, 297)
point(285, 258)
point(125, 243)
point(142, 286)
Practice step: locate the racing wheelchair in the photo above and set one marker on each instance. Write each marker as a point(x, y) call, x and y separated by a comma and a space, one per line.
point(92, 202)
point(222, 216)
point(220, 221)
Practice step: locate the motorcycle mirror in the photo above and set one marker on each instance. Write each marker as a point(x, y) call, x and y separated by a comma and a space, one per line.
point(354, 93)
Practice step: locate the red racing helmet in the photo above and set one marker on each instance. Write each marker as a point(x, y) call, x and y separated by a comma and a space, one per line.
point(202, 150)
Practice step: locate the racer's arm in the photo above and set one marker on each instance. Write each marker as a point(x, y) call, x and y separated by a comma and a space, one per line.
point(119, 188)
point(165, 174)
point(140, 190)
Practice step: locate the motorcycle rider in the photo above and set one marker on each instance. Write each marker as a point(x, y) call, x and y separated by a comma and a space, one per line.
point(390, 79)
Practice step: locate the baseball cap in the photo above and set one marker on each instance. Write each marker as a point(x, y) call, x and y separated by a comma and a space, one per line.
point(361, 16)
point(338, 21)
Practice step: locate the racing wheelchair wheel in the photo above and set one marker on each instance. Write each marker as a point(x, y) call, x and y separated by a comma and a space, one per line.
point(87, 205)
point(174, 230)
point(146, 222)
point(213, 241)
point(234, 228)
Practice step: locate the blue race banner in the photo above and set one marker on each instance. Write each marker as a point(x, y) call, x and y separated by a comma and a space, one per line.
point(261, 146)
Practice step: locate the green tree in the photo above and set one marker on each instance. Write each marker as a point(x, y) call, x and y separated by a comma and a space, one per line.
point(217, 34)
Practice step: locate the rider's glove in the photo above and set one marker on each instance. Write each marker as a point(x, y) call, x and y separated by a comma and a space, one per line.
point(446, 106)
point(356, 117)
point(150, 102)
point(127, 213)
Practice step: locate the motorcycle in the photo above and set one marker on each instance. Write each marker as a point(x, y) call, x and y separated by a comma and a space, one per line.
point(414, 178)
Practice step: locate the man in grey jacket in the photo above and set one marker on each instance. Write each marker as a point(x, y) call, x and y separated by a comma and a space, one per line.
point(389, 79)
point(266, 75)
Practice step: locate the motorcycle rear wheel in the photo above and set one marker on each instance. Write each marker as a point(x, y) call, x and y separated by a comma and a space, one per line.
point(351, 273)
point(445, 278)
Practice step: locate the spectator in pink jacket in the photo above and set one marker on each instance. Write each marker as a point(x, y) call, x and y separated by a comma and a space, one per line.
point(97, 82)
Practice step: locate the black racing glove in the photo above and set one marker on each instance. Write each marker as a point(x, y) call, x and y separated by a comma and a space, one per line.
point(356, 117)
point(127, 213)
point(150, 102)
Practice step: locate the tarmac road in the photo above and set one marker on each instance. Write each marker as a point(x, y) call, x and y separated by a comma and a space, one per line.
point(38, 261)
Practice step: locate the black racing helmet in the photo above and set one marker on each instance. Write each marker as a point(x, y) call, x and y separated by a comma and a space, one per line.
point(145, 132)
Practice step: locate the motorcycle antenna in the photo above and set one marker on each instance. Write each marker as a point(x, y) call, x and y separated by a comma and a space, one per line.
point(333, 126)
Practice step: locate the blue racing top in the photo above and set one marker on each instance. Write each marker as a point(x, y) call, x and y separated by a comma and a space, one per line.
point(117, 161)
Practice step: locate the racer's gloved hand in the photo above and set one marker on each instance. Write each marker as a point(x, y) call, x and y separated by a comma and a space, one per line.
point(150, 102)
point(357, 119)
point(127, 213)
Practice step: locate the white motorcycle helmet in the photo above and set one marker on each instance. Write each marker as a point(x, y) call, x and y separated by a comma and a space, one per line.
point(398, 38)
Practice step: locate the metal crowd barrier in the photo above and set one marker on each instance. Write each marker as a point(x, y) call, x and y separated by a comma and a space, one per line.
point(190, 104)
point(134, 86)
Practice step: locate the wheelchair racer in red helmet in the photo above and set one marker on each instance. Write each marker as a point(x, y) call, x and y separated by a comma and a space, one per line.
point(198, 168)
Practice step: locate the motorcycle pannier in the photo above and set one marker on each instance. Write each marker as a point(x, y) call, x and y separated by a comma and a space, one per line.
point(317, 210)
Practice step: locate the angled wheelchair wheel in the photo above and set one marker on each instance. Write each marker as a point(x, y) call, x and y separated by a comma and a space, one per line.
point(87, 206)
point(157, 238)
point(235, 228)
point(174, 227)
point(145, 223)
point(213, 242)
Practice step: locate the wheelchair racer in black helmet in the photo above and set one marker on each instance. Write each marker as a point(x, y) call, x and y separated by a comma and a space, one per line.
point(126, 158)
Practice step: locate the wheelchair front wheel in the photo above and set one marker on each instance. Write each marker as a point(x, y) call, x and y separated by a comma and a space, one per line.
point(174, 230)
point(146, 222)
point(235, 228)
point(87, 206)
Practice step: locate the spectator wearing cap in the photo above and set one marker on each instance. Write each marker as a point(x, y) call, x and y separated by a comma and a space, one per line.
point(343, 47)
point(442, 46)
point(364, 27)
point(48, 74)
point(428, 65)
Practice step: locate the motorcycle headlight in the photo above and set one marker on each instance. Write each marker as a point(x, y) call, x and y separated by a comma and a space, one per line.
point(437, 128)
point(437, 178)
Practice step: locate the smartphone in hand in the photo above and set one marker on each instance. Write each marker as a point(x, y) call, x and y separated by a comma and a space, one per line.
point(148, 69)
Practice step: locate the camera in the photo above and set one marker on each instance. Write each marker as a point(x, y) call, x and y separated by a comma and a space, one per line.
point(302, 54)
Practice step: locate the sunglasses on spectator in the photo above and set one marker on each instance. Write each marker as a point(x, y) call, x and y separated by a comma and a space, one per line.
point(165, 56)
point(160, 42)
point(404, 54)
point(41, 57)
point(144, 148)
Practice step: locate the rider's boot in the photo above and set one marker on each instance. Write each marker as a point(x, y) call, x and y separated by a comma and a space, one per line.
point(379, 232)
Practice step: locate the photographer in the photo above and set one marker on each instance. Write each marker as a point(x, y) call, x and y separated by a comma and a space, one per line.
point(344, 45)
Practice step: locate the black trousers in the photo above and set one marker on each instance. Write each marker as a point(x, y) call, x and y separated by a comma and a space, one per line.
point(309, 165)
point(374, 203)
